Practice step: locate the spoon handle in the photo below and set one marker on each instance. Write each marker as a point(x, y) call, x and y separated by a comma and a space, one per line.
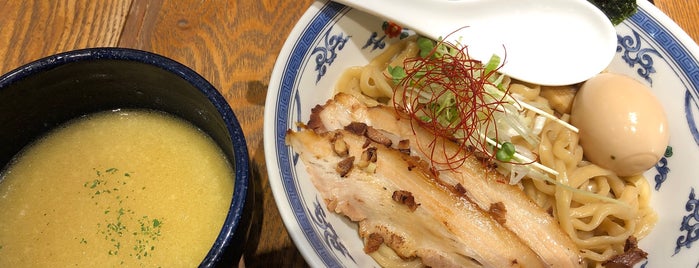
point(403, 12)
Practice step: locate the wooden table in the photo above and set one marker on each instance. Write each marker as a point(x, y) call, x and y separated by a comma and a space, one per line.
point(233, 44)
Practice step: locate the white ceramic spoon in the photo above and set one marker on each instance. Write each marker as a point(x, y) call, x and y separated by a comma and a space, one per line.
point(547, 42)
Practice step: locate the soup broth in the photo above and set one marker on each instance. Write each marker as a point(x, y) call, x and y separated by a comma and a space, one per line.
point(120, 188)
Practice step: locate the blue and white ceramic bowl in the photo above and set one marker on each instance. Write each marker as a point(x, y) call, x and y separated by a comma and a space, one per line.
point(330, 37)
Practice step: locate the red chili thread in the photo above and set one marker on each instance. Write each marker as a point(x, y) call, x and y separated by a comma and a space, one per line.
point(465, 78)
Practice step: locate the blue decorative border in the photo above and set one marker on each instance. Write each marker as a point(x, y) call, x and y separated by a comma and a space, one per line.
point(679, 54)
point(690, 102)
point(331, 238)
point(634, 53)
point(690, 223)
point(326, 54)
point(682, 62)
point(288, 87)
point(685, 66)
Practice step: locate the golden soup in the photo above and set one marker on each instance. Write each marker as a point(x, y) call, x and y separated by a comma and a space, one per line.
point(121, 188)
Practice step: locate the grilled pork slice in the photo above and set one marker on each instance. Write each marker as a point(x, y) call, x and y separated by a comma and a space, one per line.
point(535, 227)
point(398, 201)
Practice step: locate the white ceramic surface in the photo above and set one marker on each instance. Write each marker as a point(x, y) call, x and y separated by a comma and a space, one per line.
point(330, 37)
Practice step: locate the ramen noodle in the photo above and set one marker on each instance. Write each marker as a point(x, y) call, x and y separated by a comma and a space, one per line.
point(599, 210)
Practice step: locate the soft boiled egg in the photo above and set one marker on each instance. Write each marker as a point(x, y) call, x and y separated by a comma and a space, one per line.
point(622, 125)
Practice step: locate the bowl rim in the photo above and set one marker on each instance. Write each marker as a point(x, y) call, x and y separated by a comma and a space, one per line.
point(241, 162)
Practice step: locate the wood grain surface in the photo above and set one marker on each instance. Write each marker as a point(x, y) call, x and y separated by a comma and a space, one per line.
point(233, 44)
point(30, 30)
point(684, 12)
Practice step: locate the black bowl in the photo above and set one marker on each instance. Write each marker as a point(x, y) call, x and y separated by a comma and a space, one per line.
point(43, 94)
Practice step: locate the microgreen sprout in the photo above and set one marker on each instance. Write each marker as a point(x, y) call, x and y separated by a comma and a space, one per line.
point(505, 152)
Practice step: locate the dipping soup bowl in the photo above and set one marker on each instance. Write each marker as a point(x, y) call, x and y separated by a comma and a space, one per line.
point(43, 94)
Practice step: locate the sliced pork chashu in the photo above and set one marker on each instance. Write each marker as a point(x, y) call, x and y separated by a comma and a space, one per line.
point(397, 201)
point(514, 209)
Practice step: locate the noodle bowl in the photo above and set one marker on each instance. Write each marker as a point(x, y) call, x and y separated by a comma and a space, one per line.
point(331, 40)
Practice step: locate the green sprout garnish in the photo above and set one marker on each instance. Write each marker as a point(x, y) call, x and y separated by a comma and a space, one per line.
point(506, 152)
point(397, 73)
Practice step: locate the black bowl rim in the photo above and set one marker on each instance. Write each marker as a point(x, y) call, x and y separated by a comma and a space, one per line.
point(241, 161)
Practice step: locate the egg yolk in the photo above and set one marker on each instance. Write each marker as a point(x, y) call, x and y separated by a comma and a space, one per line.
point(622, 125)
